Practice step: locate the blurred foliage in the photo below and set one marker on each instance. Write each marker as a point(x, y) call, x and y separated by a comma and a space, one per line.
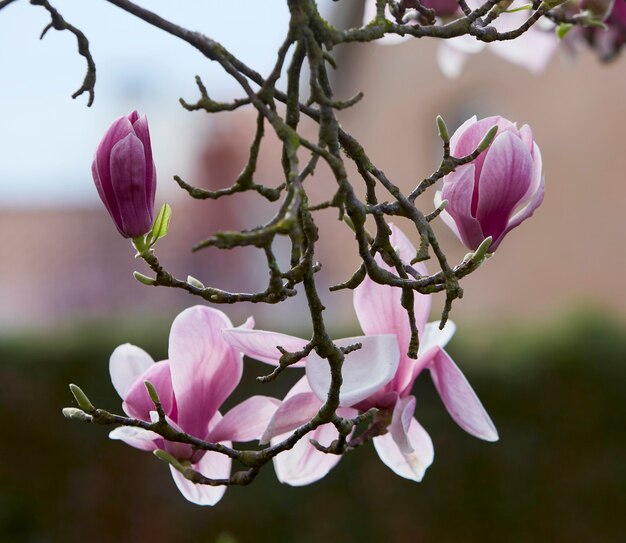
point(555, 391)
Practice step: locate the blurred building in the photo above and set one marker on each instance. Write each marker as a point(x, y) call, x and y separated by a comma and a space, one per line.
point(66, 263)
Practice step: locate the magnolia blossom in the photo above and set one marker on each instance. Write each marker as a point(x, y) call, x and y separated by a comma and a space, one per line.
point(406, 448)
point(498, 190)
point(532, 50)
point(125, 176)
point(608, 41)
point(200, 374)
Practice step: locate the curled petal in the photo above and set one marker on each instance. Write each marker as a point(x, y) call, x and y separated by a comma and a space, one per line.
point(506, 177)
point(434, 337)
point(128, 179)
point(364, 371)
point(139, 438)
point(262, 345)
point(292, 413)
point(450, 59)
point(246, 421)
point(458, 189)
point(126, 364)
point(205, 369)
point(401, 423)
point(101, 168)
point(140, 126)
point(213, 465)
point(379, 308)
point(304, 464)
point(410, 465)
point(138, 403)
point(460, 399)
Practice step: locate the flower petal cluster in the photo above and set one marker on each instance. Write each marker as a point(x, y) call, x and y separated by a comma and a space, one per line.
point(497, 191)
point(608, 42)
point(125, 176)
point(406, 448)
point(200, 374)
point(532, 50)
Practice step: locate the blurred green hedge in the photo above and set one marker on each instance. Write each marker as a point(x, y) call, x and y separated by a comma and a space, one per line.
point(558, 474)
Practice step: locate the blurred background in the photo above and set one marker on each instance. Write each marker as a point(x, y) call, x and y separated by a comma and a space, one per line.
point(541, 327)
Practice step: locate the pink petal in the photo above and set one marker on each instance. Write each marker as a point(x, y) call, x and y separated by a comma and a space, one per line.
point(472, 136)
point(304, 464)
point(205, 369)
point(261, 345)
point(139, 438)
point(445, 216)
point(119, 129)
point(533, 50)
point(400, 423)
point(140, 126)
point(458, 189)
point(460, 399)
point(454, 139)
point(138, 403)
point(302, 385)
point(182, 451)
point(505, 178)
point(126, 364)
point(364, 371)
point(213, 465)
point(379, 309)
point(128, 180)
point(410, 465)
point(292, 413)
point(246, 421)
point(433, 337)
point(451, 59)
point(535, 201)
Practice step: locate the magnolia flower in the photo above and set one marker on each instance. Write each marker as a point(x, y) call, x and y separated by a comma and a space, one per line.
point(200, 374)
point(532, 50)
point(607, 42)
point(406, 448)
point(125, 175)
point(497, 191)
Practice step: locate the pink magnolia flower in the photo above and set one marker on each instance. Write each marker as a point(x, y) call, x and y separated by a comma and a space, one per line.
point(200, 374)
point(609, 41)
point(533, 50)
point(406, 448)
point(125, 175)
point(499, 190)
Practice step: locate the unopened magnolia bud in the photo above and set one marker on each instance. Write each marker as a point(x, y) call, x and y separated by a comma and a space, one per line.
point(81, 398)
point(509, 176)
point(76, 414)
point(480, 253)
point(125, 176)
point(443, 129)
point(194, 282)
point(154, 395)
point(487, 139)
point(144, 279)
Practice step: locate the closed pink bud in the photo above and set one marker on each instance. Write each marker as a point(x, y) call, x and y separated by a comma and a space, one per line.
point(125, 176)
point(498, 190)
point(608, 42)
point(443, 8)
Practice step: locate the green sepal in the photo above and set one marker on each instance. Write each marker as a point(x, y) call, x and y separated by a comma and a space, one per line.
point(144, 279)
point(161, 225)
point(563, 30)
point(171, 460)
point(81, 398)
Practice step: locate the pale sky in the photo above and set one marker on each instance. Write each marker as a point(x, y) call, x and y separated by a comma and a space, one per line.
point(47, 139)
